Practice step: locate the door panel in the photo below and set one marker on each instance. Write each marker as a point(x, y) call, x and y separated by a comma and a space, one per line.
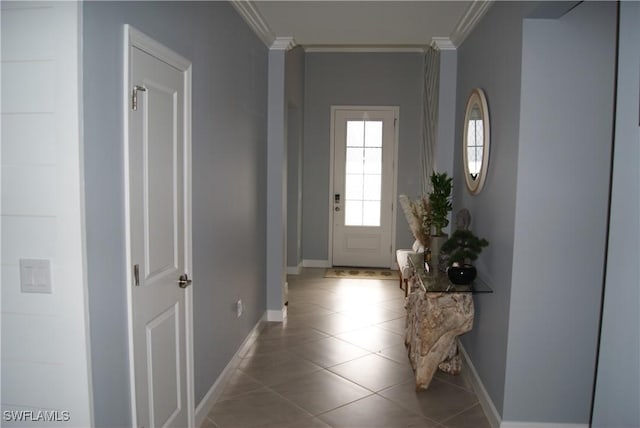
point(160, 184)
point(364, 149)
point(157, 234)
point(162, 334)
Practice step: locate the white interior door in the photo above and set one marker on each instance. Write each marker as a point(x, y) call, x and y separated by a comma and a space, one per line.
point(363, 186)
point(159, 224)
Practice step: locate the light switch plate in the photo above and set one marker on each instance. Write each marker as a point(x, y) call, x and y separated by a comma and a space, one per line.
point(35, 276)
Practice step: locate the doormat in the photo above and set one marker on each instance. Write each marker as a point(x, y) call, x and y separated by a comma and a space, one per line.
point(362, 273)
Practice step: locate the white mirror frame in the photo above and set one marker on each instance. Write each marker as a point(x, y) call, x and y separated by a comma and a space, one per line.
point(477, 97)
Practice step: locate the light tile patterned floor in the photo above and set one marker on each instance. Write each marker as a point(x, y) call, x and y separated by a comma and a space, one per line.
point(339, 361)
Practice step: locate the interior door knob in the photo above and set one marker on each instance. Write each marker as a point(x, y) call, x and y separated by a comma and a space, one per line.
point(184, 281)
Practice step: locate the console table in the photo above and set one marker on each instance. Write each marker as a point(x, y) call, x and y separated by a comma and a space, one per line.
point(437, 313)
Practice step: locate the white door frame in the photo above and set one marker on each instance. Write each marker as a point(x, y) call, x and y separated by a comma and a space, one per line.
point(394, 186)
point(135, 38)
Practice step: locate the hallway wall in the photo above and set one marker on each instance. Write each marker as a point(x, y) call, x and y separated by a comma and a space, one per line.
point(543, 207)
point(45, 363)
point(375, 79)
point(617, 391)
point(564, 162)
point(229, 190)
point(490, 58)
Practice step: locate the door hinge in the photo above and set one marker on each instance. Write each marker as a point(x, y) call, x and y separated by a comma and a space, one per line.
point(134, 96)
point(395, 121)
point(136, 275)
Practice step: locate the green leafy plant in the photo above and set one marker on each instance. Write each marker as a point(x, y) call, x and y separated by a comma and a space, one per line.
point(440, 202)
point(463, 247)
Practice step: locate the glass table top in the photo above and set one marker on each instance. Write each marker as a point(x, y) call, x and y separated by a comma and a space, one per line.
point(439, 282)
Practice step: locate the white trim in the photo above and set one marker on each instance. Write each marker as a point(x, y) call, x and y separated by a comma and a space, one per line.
point(540, 425)
point(294, 270)
point(316, 263)
point(443, 44)
point(188, 245)
point(256, 22)
point(363, 49)
point(78, 11)
point(282, 44)
point(469, 20)
point(330, 198)
point(394, 187)
point(127, 222)
point(277, 315)
point(135, 38)
point(483, 396)
point(209, 399)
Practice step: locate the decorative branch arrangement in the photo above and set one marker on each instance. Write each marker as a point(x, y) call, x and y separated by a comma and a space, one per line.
point(417, 214)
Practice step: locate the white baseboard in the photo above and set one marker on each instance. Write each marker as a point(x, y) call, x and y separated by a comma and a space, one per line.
point(206, 404)
point(507, 424)
point(490, 409)
point(483, 396)
point(275, 315)
point(294, 270)
point(316, 263)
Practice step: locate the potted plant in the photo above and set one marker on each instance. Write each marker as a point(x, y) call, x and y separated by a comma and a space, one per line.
point(440, 204)
point(462, 248)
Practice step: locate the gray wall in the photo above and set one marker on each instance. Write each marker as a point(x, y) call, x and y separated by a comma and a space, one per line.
point(490, 58)
point(294, 82)
point(276, 215)
point(618, 387)
point(229, 151)
point(356, 79)
point(533, 341)
point(561, 214)
point(445, 140)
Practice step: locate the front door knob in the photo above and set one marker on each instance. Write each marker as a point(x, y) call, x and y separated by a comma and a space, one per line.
point(184, 281)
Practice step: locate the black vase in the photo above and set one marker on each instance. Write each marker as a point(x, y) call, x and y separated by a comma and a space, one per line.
point(462, 275)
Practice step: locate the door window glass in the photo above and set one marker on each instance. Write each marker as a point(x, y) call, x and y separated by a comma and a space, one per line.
point(363, 190)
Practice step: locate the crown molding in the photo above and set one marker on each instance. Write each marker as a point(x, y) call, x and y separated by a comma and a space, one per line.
point(282, 44)
point(363, 49)
point(443, 44)
point(256, 22)
point(471, 17)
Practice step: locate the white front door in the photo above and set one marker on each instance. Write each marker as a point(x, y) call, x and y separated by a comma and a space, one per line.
point(364, 144)
point(159, 224)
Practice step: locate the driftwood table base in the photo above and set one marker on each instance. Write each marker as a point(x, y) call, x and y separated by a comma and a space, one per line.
point(434, 321)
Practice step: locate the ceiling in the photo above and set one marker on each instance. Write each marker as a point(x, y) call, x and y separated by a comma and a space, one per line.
point(361, 24)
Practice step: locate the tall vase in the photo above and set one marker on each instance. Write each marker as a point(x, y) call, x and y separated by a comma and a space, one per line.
point(436, 244)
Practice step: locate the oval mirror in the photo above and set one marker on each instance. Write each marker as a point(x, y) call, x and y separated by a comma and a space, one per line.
point(475, 144)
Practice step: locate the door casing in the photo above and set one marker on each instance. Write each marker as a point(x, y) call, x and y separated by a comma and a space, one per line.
point(135, 38)
point(394, 186)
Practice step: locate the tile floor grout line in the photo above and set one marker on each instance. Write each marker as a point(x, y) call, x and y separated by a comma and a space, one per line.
point(407, 409)
point(456, 385)
point(262, 385)
point(477, 403)
point(325, 295)
point(346, 404)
